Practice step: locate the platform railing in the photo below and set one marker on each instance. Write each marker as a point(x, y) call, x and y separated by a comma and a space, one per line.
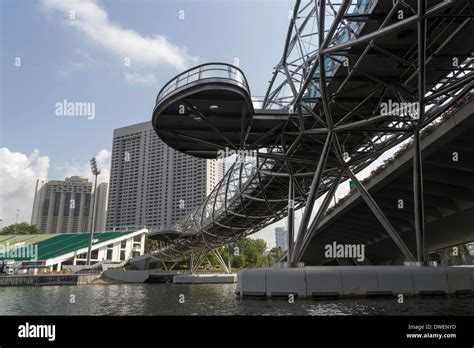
point(222, 71)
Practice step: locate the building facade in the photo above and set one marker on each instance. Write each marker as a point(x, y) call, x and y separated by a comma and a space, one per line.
point(152, 184)
point(281, 237)
point(62, 206)
point(101, 210)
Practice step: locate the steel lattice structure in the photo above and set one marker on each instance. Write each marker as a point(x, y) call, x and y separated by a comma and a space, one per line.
point(320, 122)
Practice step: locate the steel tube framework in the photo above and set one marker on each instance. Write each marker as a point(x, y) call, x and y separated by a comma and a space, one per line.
point(328, 92)
point(417, 165)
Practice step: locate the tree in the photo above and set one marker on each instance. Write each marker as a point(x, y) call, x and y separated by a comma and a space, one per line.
point(238, 261)
point(252, 249)
point(211, 261)
point(265, 261)
point(260, 246)
point(277, 253)
point(21, 229)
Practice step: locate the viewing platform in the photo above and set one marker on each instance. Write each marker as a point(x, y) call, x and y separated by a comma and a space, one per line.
point(203, 109)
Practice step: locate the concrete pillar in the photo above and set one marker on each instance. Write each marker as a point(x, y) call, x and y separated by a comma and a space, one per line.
point(128, 248)
point(116, 252)
point(142, 245)
point(102, 253)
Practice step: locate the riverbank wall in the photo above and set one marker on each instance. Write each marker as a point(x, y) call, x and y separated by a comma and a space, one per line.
point(50, 279)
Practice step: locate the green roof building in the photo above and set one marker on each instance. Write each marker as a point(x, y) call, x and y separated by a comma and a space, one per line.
point(56, 250)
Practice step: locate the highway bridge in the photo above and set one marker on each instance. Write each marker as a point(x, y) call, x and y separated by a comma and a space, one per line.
point(321, 122)
point(448, 168)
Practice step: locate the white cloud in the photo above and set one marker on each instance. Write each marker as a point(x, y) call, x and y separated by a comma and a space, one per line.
point(103, 157)
point(82, 63)
point(143, 51)
point(18, 174)
point(141, 79)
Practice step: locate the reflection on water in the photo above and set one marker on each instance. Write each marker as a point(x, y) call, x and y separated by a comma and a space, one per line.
point(202, 299)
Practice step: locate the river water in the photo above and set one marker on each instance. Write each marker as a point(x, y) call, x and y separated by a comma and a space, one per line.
point(202, 299)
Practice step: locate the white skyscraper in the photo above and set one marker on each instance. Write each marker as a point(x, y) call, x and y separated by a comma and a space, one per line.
point(281, 237)
point(152, 184)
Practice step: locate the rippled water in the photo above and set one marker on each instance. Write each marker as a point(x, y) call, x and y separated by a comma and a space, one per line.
point(202, 299)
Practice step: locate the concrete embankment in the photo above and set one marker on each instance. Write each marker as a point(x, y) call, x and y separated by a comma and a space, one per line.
point(160, 276)
point(40, 280)
point(205, 278)
point(125, 276)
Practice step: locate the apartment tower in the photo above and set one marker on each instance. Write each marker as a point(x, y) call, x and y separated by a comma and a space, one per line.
point(152, 184)
point(62, 206)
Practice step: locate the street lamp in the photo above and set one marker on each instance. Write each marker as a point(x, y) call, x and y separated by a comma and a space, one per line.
point(16, 221)
point(95, 171)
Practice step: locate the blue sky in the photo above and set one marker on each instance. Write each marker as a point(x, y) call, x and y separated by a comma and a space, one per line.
point(59, 62)
point(79, 56)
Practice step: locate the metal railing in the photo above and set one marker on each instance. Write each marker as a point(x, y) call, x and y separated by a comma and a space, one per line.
point(345, 33)
point(222, 71)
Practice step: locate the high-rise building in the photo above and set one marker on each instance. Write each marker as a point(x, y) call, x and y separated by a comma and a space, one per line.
point(281, 237)
point(66, 205)
point(152, 184)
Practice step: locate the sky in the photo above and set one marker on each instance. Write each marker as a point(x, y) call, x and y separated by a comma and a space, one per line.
point(115, 55)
